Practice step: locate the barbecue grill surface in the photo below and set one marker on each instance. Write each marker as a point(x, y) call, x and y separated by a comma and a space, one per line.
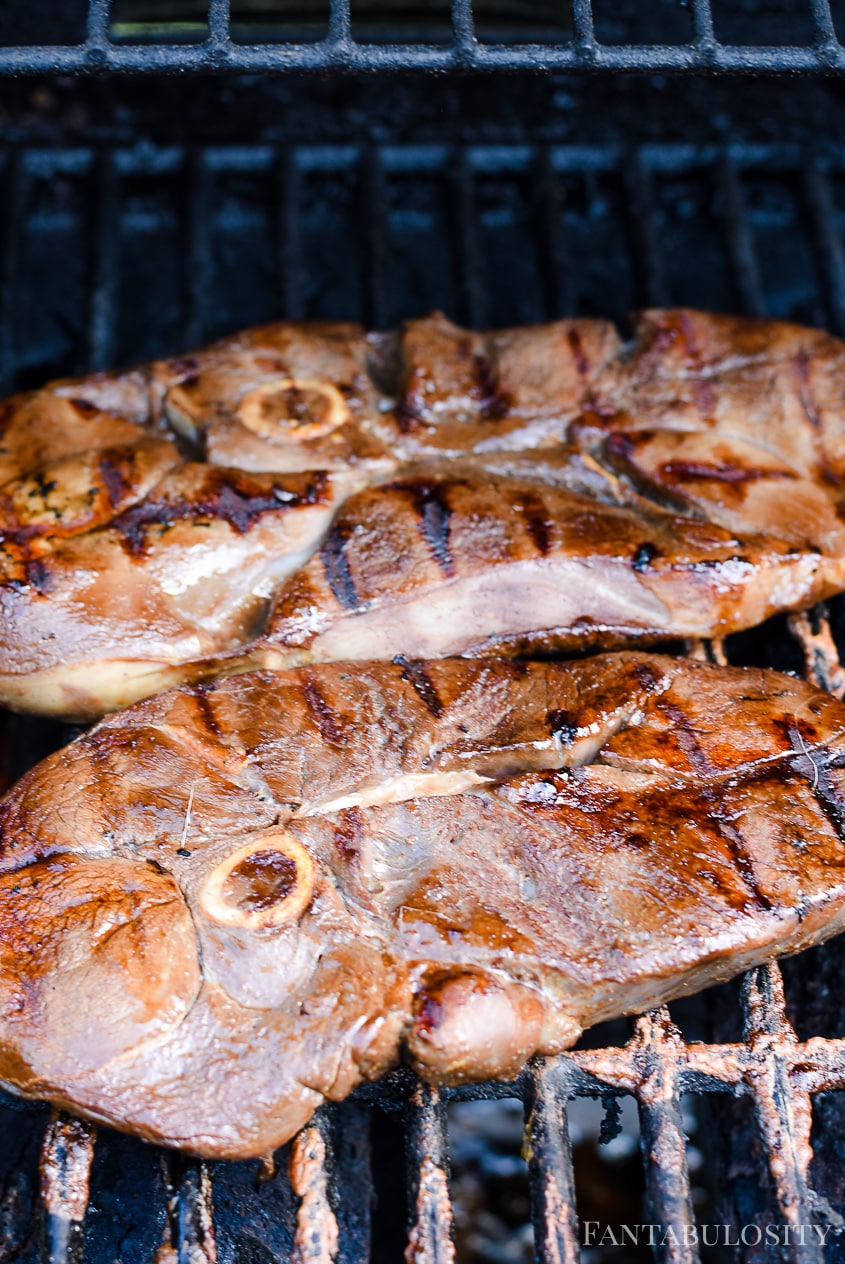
point(135, 222)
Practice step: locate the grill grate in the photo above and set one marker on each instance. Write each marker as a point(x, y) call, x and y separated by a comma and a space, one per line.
point(810, 46)
point(492, 233)
point(240, 234)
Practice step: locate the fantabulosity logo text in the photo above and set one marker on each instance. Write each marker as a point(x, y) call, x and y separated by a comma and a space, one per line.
point(595, 1233)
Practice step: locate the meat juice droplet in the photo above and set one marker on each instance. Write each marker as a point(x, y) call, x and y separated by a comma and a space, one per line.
point(260, 881)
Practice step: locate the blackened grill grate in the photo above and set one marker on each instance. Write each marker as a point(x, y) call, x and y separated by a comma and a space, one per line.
point(241, 234)
point(811, 45)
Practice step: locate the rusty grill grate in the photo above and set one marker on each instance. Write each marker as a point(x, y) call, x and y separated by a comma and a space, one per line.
point(241, 233)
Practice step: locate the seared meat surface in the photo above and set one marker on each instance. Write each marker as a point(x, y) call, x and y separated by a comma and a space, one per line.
point(329, 493)
point(233, 901)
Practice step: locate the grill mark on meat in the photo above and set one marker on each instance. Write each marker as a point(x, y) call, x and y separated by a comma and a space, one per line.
point(687, 736)
point(37, 575)
point(743, 863)
point(206, 710)
point(816, 771)
point(537, 520)
point(113, 477)
point(576, 346)
point(617, 455)
point(348, 832)
point(703, 394)
point(802, 372)
point(415, 674)
point(336, 567)
point(825, 793)
point(433, 513)
point(723, 472)
point(184, 369)
point(224, 495)
point(562, 725)
point(331, 730)
point(410, 409)
point(83, 407)
point(493, 402)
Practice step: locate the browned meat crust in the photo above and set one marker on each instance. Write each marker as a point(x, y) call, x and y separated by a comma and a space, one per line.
point(688, 484)
point(233, 901)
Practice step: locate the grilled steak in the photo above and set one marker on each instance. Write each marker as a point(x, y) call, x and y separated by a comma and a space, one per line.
point(233, 901)
point(154, 521)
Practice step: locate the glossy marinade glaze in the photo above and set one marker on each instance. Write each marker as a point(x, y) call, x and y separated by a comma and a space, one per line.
point(304, 493)
point(305, 876)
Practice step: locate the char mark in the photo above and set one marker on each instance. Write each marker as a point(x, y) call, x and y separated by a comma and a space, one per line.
point(37, 576)
point(815, 768)
point(433, 514)
point(563, 726)
point(224, 494)
point(687, 736)
point(336, 567)
point(576, 346)
point(537, 520)
point(493, 402)
point(348, 832)
point(112, 473)
point(184, 370)
point(743, 863)
point(644, 557)
point(83, 407)
point(415, 674)
point(805, 395)
point(206, 710)
point(324, 714)
point(723, 472)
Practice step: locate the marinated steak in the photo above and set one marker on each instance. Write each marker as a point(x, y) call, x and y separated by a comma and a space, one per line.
point(233, 901)
point(151, 522)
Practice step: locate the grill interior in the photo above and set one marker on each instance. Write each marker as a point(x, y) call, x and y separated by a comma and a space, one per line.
point(134, 224)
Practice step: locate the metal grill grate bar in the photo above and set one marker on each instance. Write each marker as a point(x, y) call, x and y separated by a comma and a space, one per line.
point(668, 1200)
point(551, 1177)
point(374, 254)
point(430, 1233)
point(339, 51)
point(105, 271)
point(16, 187)
point(189, 1227)
point(462, 24)
point(745, 268)
point(66, 1158)
point(823, 22)
point(783, 1109)
point(471, 274)
point(316, 1234)
point(218, 24)
point(702, 17)
point(647, 251)
point(198, 273)
point(98, 28)
point(340, 26)
point(830, 247)
point(289, 194)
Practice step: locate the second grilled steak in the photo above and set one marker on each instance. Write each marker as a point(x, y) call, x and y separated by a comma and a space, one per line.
point(232, 902)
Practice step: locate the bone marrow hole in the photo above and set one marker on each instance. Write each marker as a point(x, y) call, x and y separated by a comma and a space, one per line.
point(293, 408)
point(267, 883)
point(260, 881)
